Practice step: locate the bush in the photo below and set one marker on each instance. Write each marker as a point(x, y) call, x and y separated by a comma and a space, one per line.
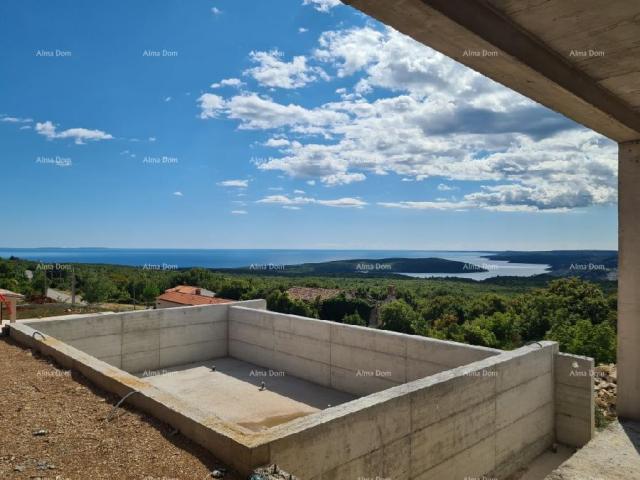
point(398, 316)
point(337, 308)
point(354, 319)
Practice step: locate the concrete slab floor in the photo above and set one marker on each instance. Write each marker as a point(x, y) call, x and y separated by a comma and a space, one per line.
point(232, 392)
point(613, 454)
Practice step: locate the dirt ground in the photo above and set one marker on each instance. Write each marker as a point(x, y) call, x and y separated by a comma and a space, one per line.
point(52, 427)
point(613, 454)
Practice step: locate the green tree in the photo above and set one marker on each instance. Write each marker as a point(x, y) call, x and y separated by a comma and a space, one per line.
point(476, 334)
point(354, 319)
point(338, 307)
point(97, 288)
point(584, 338)
point(234, 289)
point(150, 292)
point(398, 316)
point(279, 301)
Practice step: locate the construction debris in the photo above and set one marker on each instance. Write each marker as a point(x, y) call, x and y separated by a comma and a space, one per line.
point(272, 472)
point(605, 388)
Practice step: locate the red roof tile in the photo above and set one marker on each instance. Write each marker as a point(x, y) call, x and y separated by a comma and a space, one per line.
point(189, 299)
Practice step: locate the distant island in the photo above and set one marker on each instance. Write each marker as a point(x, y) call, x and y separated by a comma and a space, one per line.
point(375, 267)
point(593, 264)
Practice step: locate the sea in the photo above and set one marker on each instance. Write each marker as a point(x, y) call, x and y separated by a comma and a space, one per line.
point(233, 258)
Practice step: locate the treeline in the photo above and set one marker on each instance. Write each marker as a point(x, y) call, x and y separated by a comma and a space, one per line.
point(578, 314)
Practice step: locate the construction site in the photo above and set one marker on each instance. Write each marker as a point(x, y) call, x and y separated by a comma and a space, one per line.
point(327, 400)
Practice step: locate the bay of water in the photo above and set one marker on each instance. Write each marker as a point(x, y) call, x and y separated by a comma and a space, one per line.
point(233, 258)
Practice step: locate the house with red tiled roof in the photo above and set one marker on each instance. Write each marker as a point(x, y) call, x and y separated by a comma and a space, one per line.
point(184, 295)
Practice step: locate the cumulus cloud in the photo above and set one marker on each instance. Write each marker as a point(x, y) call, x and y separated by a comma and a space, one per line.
point(258, 113)
point(239, 212)
point(234, 183)
point(431, 118)
point(79, 135)
point(272, 71)
point(322, 5)
point(210, 105)
point(177, 194)
point(284, 200)
point(228, 82)
point(277, 142)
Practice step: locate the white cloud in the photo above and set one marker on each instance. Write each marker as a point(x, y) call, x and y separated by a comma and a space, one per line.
point(239, 212)
point(322, 5)
point(178, 194)
point(152, 139)
point(168, 99)
point(210, 105)
point(9, 119)
point(272, 71)
point(228, 82)
point(289, 207)
point(303, 30)
point(234, 183)
point(277, 142)
point(444, 121)
point(346, 202)
point(216, 11)
point(257, 113)
point(299, 192)
point(79, 135)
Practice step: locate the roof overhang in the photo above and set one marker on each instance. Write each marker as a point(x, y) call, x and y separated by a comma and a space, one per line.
point(531, 41)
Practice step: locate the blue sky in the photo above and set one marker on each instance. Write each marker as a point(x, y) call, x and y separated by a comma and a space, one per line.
point(288, 124)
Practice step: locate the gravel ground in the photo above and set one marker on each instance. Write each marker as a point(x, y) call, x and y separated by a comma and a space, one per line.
point(52, 427)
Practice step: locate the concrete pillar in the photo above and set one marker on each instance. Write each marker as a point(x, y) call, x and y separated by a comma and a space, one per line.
point(629, 280)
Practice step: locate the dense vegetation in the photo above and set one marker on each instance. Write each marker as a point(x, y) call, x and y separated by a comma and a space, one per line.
point(502, 313)
point(382, 266)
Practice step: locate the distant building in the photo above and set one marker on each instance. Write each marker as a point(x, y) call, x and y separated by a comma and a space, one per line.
point(184, 295)
point(310, 294)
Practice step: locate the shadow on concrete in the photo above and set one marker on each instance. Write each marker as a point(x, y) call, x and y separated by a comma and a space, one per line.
point(632, 429)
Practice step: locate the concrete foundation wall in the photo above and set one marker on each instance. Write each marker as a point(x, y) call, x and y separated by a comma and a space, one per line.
point(147, 340)
point(352, 359)
point(431, 410)
point(575, 409)
point(489, 418)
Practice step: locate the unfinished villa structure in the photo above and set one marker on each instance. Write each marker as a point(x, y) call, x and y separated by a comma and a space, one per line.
point(326, 400)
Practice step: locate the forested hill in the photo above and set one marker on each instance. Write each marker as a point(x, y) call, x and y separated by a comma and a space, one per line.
point(583, 263)
point(382, 266)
